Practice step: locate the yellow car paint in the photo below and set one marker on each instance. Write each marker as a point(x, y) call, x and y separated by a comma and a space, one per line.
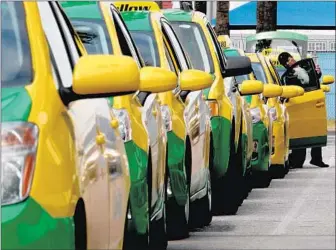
point(217, 90)
point(54, 188)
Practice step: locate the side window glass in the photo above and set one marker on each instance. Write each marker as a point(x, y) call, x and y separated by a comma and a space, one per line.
point(57, 45)
point(68, 33)
point(221, 58)
point(170, 60)
point(302, 74)
point(125, 40)
point(175, 45)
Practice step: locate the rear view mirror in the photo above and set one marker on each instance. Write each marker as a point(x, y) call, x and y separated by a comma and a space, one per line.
point(251, 87)
point(238, 65)
point(325, 88)
point(272, 90)
point(192, 80)
point(328, 79)
point(156, 79)
point(292, 91)
point(105, 75)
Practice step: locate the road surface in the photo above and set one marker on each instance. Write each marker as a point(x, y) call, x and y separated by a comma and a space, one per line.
point(297, 212)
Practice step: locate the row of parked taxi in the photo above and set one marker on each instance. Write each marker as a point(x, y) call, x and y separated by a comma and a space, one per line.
point(125, 126)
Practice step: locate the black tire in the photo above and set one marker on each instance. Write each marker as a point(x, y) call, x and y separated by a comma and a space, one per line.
point(261, 179)
point(225, 194)
point(241, 183)
point(80, 226)
point(177, 216)
point(133, 240)
point(158, 239)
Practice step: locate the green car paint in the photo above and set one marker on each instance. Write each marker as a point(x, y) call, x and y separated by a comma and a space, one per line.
point(82, 9)
point(178, 181)
point(137, 21)
point(138, 164)
point(15, 104)
point(260, 134)
point(26, 225)
point(177, 15)
point(221, 134)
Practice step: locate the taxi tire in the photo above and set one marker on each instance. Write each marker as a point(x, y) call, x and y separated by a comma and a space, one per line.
point(80, 226)
point(133, 240)
point(158, 239)
point(241, 183)
point(177, 223)
point(225, 199)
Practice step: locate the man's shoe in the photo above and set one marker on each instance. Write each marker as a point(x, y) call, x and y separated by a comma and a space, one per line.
point(319, 164)
point(293, 167)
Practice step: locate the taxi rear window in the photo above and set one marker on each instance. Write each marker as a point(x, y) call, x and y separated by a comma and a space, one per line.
point(16, 62)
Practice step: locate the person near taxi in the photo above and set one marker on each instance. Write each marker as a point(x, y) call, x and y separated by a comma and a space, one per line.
point(287, 60)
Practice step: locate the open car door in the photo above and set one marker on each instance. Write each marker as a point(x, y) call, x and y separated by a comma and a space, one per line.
point(307, 113)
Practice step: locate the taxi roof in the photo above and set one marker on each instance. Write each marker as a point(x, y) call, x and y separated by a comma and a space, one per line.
point(178, 15)
point(82, 9)
point(137, 21)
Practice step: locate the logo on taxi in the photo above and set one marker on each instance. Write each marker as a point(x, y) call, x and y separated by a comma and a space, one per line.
point(127, 7)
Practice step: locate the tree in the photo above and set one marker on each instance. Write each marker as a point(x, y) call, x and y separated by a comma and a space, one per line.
point(222, 18)
point(201, 6)
point(266, 16)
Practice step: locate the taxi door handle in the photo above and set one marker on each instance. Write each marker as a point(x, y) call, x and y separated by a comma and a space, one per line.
point(319, 104)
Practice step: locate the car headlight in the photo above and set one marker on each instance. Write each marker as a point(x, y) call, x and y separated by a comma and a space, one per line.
point(273, 114)
point(165, 112)
point(18, 154)
point(124, 120)
point(256, 115)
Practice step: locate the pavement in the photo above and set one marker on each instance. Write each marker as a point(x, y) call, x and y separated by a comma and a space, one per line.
point(297, 212)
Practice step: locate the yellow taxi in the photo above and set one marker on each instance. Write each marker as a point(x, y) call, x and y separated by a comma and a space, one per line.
point(189, 183)
point(307, 113)
point(65, 177)
point(141, 121)
point(223, 98)
point(278, 114)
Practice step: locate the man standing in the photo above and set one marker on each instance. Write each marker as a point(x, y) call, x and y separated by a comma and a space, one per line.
point(298, 156)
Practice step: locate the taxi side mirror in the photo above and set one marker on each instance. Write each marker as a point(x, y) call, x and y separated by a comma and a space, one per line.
point(156, 79)
point(291, 91)
point(328, 79)
point(251, 87)
point(105, 75)
point(272, 90)
point(193, 80)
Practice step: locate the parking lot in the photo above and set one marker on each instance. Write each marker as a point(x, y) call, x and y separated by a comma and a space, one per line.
point(297, 212)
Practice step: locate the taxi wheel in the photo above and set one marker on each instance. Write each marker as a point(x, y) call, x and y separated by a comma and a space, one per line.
point(158, 239)
point(225, 197)
point(241, 182)
point(80, 226)
point(133, 240)
point(177, 215)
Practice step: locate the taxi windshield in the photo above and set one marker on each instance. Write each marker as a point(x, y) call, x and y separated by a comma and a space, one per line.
point(277, 45)
point(93, 34)
point(147, 47)
point(193, 40)
point(16, 61)
point(259, 72)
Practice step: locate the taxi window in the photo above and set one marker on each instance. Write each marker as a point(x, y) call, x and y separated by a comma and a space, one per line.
point(147, 47)
point(15, 47)
point(172, 39)
point(259, 72)
point(170, 60)
point(93, 34)
point(194, 42)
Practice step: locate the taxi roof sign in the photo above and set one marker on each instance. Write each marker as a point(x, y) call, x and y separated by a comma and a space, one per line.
point(137, 6)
